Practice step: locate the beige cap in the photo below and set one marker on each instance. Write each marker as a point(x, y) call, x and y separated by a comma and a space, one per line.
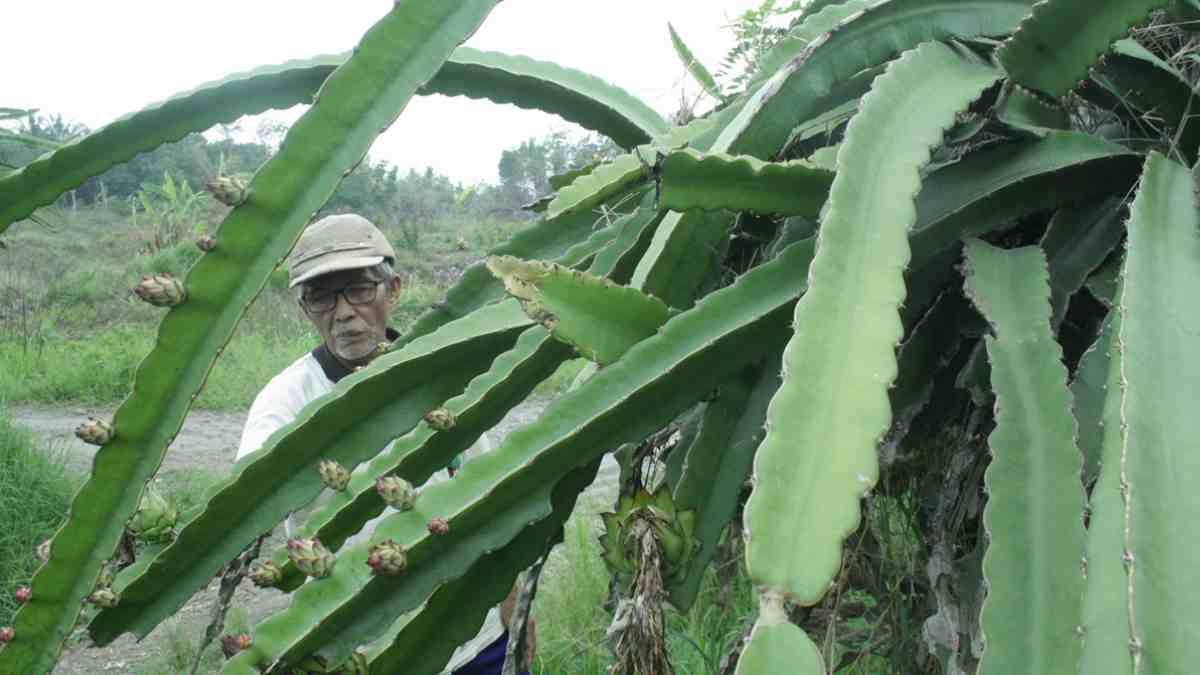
point(337, 243)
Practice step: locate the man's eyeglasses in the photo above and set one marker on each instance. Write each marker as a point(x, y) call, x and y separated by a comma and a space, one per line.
point(321, 300)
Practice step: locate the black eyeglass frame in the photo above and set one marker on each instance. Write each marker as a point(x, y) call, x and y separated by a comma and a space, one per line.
point(305, 303)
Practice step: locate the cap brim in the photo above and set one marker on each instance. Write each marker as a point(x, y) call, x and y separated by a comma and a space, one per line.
point(337, 264)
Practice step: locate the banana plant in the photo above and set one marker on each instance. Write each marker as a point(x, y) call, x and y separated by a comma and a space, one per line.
point(914, 224)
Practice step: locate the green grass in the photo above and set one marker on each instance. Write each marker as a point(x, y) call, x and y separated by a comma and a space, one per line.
point(35, 492)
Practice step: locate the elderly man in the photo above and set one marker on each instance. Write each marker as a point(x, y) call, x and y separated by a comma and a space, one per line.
point(341, 272)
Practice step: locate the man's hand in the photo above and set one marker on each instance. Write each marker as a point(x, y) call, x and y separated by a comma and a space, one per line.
point(506, 612)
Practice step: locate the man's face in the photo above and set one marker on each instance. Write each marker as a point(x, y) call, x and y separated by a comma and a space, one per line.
point(351, 331)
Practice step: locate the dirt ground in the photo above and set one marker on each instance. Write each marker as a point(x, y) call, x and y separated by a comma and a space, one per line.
point(207, 441)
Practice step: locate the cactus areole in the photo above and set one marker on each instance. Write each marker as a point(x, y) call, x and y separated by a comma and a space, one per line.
point(228, 190)
point(94, 431)
point(440, 419)
point(333, 475)
point(265, 573)
point(104, 597)
point(387, 558)
point(397, 492)
point(23, 594)
point(7, 634)
point(161, 290)
point(311, 557)
point(232, 644)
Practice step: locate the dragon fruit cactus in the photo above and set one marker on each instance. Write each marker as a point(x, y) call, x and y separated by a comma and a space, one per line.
point(311, 557)
point(94, 431)
point(7, 634)
point(161, 290)
point(232, 644)
point(397, 492)
point(265, 574)
point(104, 597)
point(23, 594)
point(387, 558)
point(228, 190)
point(333, 475)
point(154, 520)
point(437, 526)
point(440, 419)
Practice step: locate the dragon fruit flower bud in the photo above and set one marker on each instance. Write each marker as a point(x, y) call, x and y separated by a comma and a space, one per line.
point(43, 551)
point(438, 526)
point(333, 475)
point(397, 492)
point(154, 520)
point(206, 243)
point(232, 644)
point(161, 290)
point(94, 431)
point(23, 593)
point(265, 574)
point(228, 190)
point(104, 597)
point(440, 419)
point(387, 558)
point(310, 557)
point(7, 634)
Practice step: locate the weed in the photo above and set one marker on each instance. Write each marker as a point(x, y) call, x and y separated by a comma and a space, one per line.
point(34, 494)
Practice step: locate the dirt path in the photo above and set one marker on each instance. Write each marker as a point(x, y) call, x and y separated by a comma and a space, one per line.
point(207, 442)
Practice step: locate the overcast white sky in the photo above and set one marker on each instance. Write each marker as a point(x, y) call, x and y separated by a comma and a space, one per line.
point(95, 61)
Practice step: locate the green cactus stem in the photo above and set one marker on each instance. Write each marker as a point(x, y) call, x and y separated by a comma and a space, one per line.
point(161, 290)
point(104, 597)
point(357, 665)
point(23, 594)
point(154, 520)
point(333, 475)
point(228, 190)
point(397, 492)
point(94, 431)
point(440, 419)
point(387, 558)
point(265, 574)
point(311, 557)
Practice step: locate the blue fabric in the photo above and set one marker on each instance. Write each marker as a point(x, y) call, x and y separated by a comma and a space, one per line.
point(490, 661)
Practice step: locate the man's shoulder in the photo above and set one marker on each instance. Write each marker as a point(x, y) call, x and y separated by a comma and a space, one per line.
point(302, 379)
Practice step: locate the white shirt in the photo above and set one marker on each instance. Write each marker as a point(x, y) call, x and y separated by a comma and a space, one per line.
point(279, 403)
